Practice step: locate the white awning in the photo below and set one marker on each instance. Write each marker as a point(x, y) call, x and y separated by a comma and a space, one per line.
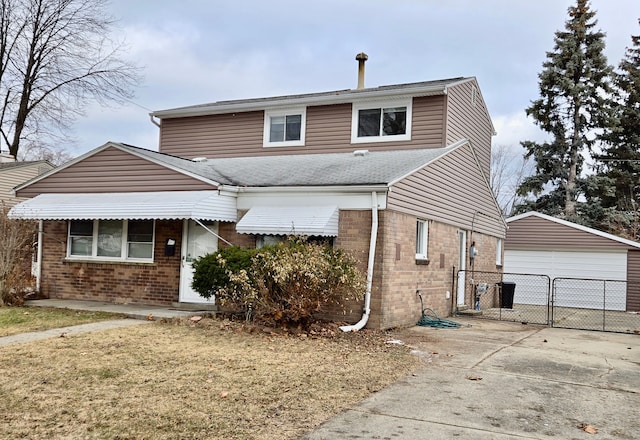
point(162, 205)
point(308, 220)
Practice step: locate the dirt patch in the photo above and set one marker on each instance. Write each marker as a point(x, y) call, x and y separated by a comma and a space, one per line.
point(186, 379)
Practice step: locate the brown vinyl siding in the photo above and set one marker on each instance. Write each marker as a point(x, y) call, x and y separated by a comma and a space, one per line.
point(328, 130)
point(14, 176)
point(633, 281)
point(449, 191)
point(468, 121)
point(227, 135)
point(113, 170)
point(538, 233)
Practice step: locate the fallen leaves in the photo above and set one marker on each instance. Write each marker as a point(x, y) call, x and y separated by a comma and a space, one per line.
point(473, 377)
point(589, 429)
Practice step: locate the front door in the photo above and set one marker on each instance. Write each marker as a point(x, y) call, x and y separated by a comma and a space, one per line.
point(462, 265)
point(196, 242)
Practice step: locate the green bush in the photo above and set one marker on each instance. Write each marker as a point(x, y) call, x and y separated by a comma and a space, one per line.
point(286, 283)
point(213, 270)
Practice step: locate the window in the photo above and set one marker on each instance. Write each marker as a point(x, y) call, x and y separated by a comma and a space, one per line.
point(422, 239)
point(111, 239)
point(284, 127)
point(499, 242)
point(388, 121)
point(269, 240)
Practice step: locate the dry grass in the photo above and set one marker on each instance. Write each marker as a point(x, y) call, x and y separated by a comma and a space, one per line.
point(213, 380)
point(14, 320)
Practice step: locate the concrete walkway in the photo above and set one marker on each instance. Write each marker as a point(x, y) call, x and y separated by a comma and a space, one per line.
point(69, 331)
point(135, 311)
point(135, 314)
point(499, 380)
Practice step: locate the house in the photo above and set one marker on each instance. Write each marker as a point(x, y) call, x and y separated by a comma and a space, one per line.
point(396, 175)
point(14, 173)
point(539, 244)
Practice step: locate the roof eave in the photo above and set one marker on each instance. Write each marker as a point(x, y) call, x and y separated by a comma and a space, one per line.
point(329, 99)
point(574, 226)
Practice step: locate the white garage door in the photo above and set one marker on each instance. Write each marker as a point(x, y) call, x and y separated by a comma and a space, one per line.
point(561, 264)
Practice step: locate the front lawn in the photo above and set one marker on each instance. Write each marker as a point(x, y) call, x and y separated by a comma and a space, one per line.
point(15, 320)
point(178, 379)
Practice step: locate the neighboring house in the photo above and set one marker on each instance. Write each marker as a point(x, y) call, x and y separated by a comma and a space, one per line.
point(539, 244)
point(14, 173)
point(396, 175)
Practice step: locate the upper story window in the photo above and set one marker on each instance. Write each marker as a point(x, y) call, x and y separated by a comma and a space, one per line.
point(284, 128)
point(381, 121)
point(111, 239)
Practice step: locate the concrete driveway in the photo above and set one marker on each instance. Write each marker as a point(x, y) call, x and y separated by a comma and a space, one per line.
point(500, 380)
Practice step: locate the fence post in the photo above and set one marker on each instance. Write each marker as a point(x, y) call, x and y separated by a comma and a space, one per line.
point(604, 304)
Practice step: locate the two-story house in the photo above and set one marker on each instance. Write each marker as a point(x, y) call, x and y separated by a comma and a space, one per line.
point(397, 175)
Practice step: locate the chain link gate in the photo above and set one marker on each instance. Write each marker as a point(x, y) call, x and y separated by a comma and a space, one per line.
point(505, 296)
point(593, 304)
point(576, 303)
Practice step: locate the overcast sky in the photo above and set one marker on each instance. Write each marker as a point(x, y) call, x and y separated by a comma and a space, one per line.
point(198, 51)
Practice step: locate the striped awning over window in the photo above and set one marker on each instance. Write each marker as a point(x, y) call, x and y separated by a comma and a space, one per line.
point(308, 220)
point(162, 205)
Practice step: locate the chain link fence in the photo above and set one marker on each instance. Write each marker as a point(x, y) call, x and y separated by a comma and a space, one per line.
point(586, 304)
point(593, 304)
point(505, 296)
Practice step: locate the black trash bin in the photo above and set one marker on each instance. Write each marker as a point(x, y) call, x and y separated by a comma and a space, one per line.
point(507, 290)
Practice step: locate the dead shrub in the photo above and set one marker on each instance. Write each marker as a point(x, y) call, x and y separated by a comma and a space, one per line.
point(284, 284)
point(16, 239)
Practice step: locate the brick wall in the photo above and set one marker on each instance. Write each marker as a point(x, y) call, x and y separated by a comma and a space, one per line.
point(354, 233)
point(156, 283)
point(397, 276)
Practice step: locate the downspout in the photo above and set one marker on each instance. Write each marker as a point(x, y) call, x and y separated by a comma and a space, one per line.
point(153, 121)
point(372, 256)
point(39, 257)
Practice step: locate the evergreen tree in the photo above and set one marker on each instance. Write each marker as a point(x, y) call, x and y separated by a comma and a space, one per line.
point(574, 85)
point(616, 186)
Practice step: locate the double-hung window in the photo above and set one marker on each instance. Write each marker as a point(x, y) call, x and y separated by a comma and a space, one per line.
point(381, 122)
point(284, 128)
point(111, 239)
point(422, 240)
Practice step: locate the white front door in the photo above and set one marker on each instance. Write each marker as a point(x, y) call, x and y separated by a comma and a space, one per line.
point(462, 266)
point(196, 242)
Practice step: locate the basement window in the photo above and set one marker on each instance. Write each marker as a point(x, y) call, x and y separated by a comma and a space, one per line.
point(381, 122)
point(119, 240)
point(284, 128)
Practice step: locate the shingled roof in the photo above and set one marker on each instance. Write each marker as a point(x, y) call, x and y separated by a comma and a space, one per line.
point(335, 169)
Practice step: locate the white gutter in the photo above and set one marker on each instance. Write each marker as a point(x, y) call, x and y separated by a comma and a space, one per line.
point(372, 256)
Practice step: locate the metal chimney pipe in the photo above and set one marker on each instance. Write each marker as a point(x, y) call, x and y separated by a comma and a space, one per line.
point(361, 58)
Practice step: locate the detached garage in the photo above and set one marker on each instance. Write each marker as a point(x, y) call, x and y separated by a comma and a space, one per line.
point(539, 244)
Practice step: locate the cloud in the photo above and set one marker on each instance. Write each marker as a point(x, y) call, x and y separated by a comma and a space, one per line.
point(514, 128)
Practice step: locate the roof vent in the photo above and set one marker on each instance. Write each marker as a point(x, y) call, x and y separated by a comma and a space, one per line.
point(361, 153)
point(199, 159)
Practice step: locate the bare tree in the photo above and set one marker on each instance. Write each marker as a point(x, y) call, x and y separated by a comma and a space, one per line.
point(55, 57)
point(508, 170)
